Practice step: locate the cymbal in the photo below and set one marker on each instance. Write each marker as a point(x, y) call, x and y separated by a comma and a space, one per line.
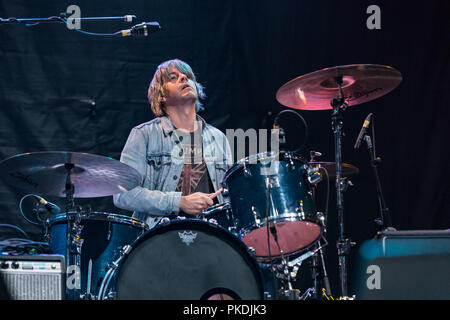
point(360, 83)
point(347, 169)
point(45, 173)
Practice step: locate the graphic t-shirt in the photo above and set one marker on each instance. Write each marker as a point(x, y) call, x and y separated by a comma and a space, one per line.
point(194, 175)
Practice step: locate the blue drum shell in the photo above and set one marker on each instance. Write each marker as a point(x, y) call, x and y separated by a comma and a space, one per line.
point(103, 234)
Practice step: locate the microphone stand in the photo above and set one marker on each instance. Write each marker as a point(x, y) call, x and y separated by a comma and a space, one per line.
point(384, 222)
point(62, 16)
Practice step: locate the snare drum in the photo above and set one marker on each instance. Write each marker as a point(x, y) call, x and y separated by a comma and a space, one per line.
point(187, 259)
point(270, 196)
point(103, 234)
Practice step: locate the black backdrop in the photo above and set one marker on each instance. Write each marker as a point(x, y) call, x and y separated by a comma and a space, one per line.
point(67, 91)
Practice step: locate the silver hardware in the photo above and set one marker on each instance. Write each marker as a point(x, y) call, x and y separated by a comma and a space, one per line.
point(321, 217)
point(313, 154)
point(256, 217)
point(213, 221)
point(291, 164)
point(313, 174)
point(247, 173)
point(274, 182)
point(300, 210)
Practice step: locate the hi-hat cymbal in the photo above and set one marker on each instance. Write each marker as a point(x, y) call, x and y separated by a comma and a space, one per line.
point(347, 169)
point(360, 83)
point(46, 173)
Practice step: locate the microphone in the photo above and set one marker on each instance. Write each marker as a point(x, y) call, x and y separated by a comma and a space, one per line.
point(363, 131)
point(142, 29)
point(51, 207)
point(282, 134)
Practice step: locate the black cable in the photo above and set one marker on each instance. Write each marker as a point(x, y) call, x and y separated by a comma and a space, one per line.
point(5, 225)
point(304, 122)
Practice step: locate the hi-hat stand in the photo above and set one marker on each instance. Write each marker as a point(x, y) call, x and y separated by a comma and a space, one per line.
point(73, 239)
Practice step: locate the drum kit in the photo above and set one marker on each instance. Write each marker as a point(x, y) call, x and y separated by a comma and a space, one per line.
point(271, 216)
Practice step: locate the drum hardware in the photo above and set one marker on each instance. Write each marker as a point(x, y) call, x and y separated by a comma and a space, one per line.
point(337, 89)
point(256, 217)
point(69, 175)
point(113, 266)
point(247, 173)
point(165, 221)
point(300, 210)
point(88, 295)
point(291, 165)
point(314, 176)
point(314, 154)
point(287, 272)
point(384, 222)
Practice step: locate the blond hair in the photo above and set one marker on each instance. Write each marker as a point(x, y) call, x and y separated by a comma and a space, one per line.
point(156, 87)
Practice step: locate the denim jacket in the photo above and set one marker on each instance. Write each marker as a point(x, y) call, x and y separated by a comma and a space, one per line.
point(155, 152)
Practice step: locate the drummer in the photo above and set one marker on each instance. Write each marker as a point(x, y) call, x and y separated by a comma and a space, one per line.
point(181, 158)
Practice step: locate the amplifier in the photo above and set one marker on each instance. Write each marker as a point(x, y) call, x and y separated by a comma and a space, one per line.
point(403, 265)
point(33, 277)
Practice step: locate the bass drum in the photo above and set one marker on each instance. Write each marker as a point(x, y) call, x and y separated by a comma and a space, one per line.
point(185, 259)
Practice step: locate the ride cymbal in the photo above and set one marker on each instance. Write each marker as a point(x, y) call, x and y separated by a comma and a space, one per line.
point(360, 83)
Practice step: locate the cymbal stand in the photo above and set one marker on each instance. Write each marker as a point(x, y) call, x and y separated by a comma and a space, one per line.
point(343, 244)
point(73, 240)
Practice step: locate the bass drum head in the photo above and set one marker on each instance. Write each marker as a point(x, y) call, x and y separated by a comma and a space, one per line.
point(189, 260)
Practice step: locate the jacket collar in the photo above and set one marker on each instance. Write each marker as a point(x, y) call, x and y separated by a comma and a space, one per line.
point(168, 127)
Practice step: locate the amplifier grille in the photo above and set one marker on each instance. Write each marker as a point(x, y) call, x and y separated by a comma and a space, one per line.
point(33, 277)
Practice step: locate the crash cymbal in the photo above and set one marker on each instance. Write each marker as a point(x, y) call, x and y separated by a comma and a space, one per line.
point(46, 173)
point(360, 83)
point(347, 169)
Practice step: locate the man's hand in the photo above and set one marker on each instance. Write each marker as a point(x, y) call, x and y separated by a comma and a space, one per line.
point(195, 203)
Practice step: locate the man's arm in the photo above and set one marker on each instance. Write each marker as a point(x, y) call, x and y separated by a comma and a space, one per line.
point(142, 199)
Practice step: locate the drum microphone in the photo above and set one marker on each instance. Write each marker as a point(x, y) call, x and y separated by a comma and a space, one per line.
point(281, 132)
point(51, 207)
point(363, 131)
point(142, 29)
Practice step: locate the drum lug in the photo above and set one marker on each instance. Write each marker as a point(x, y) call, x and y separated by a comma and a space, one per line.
point(256, 217)
point(213, 221)
point(252, 251)
point(165, 221)
point(300, 210)
point(291, 164)
point(321, 217)
point(247, 173)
